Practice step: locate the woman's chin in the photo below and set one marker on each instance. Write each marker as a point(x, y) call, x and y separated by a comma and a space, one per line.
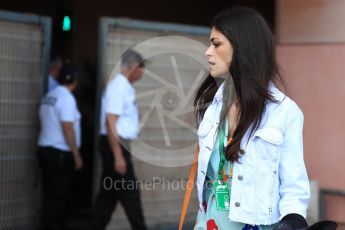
point(214, 73)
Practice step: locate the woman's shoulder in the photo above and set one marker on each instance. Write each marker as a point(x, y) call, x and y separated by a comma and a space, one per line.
point(283, 110)
point(283, 101)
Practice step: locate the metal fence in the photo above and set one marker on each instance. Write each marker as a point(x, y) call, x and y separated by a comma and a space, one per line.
point(171, 76)
point(24, 52)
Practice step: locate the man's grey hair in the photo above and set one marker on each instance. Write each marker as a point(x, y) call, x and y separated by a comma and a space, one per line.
point(131, 57)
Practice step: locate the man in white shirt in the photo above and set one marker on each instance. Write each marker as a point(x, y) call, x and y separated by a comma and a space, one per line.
point(119, 125)
point(54, 70)
point(59, 143)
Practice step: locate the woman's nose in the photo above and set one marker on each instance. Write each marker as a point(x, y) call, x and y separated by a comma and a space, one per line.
point(208, 51)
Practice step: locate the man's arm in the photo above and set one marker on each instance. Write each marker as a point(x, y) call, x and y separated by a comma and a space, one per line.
point(114, 142)
point(68, 131)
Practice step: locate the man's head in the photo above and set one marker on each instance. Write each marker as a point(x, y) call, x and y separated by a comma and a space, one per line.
point(68, 76)
point(132, 64)
point(55, 67)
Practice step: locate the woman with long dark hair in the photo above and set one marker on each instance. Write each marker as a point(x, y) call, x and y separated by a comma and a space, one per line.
point(251, 173)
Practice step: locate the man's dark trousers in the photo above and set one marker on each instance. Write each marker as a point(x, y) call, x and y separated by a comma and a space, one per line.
point(57, 169)
point(115, 187)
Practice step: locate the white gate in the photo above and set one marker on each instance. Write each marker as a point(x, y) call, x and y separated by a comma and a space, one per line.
point(24, 55)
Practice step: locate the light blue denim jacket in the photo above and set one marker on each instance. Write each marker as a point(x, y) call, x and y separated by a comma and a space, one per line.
point(270, 180)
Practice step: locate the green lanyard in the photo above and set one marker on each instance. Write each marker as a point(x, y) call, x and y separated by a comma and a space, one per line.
point(223, 138)
point(223, 135)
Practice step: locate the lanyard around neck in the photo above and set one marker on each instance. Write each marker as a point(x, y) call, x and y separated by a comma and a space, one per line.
point(223, 138)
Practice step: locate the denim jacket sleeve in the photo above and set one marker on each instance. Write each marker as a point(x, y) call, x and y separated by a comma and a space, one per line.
point(294, 183)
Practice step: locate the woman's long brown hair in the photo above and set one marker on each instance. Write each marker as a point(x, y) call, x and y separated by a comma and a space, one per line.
point(252, 68)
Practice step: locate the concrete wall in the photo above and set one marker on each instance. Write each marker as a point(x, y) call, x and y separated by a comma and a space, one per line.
point(311, 53)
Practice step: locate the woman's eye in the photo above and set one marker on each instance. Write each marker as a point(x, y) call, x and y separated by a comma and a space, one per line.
point(216, 45)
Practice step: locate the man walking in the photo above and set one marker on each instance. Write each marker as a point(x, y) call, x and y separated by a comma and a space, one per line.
point(119, 125)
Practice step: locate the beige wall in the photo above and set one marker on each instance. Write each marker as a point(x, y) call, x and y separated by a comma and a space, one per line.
point(311, 52)
point(306, 21)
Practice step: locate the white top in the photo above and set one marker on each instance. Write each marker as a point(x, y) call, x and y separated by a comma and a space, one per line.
point(52, 83)
point(119, 99)
point(270, 180)
point(58, 106)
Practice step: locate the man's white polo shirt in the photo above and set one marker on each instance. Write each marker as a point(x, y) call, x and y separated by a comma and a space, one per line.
point(119, 99)
point(59, 105)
